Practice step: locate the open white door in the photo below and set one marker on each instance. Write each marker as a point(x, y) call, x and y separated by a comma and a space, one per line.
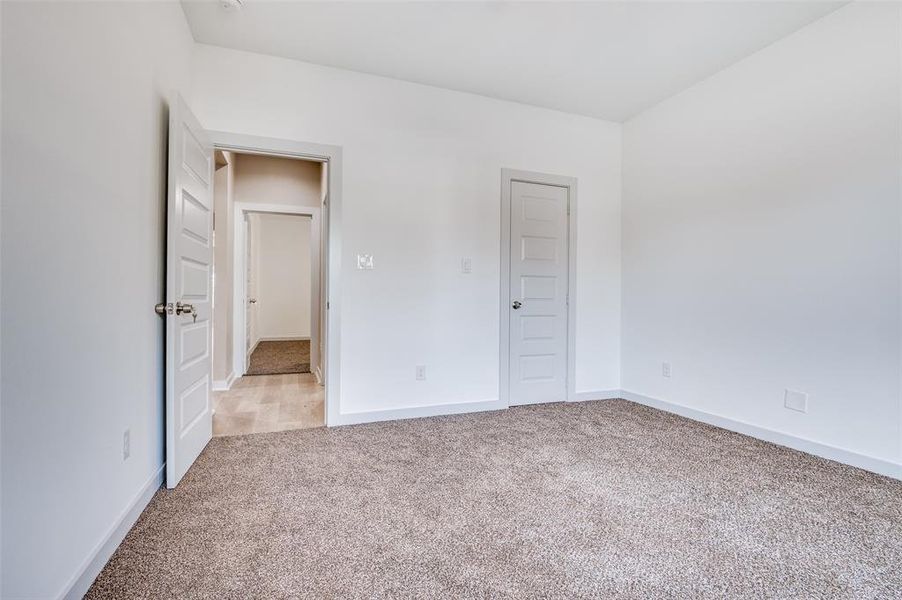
point(189, 283)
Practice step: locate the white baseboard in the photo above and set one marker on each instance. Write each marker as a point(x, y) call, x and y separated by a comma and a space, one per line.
point(287, 338)
point(318, 373)
point(416, 412)
point(92, 566)
point(847, 457)
point(224, 385)
point(595, 395)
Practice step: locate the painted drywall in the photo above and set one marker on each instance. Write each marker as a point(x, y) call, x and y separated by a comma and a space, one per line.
point(252, 276)
point(284, 283)
point(272, 180)
point(223, 184)
point(85, 94)
point(421, 190)
point(761, 237)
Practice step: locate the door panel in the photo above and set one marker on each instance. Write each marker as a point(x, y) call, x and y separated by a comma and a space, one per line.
point(189, 263)
point(539, 286)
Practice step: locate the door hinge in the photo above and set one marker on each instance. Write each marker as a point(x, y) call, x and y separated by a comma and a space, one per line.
point(327, 305)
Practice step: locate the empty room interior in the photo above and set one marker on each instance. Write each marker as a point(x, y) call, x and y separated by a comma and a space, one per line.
point(450, 299)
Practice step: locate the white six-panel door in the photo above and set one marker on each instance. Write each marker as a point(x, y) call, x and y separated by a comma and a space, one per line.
point(538, 292)
point(189, 285)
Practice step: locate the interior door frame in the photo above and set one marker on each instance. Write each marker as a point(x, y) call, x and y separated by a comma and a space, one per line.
point(508, 176)
point(239, 287)
point(331, 281)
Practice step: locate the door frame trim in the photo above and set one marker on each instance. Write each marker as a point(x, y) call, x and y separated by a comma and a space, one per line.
point(508, 176)
point(331, 294)
point(239, 287)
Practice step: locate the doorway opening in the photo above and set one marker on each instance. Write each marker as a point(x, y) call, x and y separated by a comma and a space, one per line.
point(280, 294)
point(269, 292)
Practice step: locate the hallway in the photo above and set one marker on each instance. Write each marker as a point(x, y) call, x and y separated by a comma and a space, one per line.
point(267, 403)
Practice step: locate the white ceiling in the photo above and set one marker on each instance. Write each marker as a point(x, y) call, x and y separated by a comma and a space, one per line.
point(602, 59)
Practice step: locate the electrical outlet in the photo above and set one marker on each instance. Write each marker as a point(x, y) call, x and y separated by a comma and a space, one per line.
point(126, 444)
point(794, 400)
point(665, 369)
point(466, 265)
point(421, 372)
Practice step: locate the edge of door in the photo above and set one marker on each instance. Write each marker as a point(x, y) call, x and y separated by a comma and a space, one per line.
point(508, 176)
point(331, 293)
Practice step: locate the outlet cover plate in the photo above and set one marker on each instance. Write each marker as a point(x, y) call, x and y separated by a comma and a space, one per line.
point(794, 400)
point(126, 444)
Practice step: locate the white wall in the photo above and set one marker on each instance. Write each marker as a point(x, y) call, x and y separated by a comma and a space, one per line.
point(284, 283)
point(761, 237)
point(422, 177)
point(85, 90)
point(223, 184)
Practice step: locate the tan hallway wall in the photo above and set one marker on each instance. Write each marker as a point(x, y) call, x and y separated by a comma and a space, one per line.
point(253, 179)
point(223, 182)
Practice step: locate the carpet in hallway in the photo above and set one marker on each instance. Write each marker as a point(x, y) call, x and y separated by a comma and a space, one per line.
point(280, 357)
point(598, 499)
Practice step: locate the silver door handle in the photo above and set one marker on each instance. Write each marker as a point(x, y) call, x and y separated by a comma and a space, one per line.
point(186, 309)
point(517, 304)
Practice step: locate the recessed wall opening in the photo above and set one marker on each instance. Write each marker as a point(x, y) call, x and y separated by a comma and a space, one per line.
point(268, 300)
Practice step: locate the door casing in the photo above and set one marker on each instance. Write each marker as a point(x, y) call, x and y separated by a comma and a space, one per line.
point(331, 259)
point(507, 177)
point(239, 288)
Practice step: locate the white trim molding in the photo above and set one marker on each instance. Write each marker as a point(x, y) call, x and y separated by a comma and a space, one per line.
point(92, 566)
point(434, 410)
point(239, 288)
point(223, 385)
point(507, 177)
point(595, 395)
point(841, 455)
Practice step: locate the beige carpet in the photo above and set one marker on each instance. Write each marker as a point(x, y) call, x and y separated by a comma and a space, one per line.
point(601, 499)
point(280, 358)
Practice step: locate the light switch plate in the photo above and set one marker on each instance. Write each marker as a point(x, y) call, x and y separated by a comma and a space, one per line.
point(365, 261)
point(466, 265)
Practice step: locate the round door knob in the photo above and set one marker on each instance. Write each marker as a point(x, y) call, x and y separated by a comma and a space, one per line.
point(517, 304)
